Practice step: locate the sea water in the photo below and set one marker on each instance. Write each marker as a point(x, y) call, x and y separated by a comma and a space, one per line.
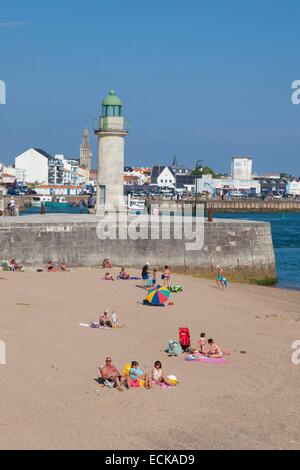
point(286, 239)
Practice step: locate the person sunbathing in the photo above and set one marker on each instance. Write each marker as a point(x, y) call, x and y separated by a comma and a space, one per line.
point(215, 350)
point(110, 372)
point(157, 374)
point(104, 320)
point(51, 267)
point(137, 374)
point(14, 265)
point(63, 267)
point(108, 277)
point(123, 274)
point(106, 264)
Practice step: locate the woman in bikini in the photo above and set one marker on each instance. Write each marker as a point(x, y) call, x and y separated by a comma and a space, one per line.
point(215, 350)
point(157, 374)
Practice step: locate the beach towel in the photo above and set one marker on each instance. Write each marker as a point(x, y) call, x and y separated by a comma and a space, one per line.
point(205, 360)
point(94, 325)
point(162, 384)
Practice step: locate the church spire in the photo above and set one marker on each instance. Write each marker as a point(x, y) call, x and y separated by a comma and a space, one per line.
point(175, 164)
point(86, 151)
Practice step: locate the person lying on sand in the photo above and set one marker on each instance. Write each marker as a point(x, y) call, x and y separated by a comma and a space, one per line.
point(137, 374)
point(110, 372)
point(215, 350)
point(158, 375)
point(106, 264)
point(108, 277)
point(104, 320)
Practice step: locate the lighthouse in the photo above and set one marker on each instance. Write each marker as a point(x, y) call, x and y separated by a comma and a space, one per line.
point(111, 134)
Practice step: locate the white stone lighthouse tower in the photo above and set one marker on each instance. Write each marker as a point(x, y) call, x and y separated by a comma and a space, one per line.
point(111, 133)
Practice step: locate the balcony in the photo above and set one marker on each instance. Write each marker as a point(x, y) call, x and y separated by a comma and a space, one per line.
point(111, 124)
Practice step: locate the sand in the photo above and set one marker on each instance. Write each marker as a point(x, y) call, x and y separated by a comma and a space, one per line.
point(51, 400)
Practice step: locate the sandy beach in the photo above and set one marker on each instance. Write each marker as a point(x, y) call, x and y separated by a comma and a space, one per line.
point(51, 400)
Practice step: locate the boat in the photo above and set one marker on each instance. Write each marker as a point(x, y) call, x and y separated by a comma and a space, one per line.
point(58, 202)
point(36, 201)
point(136, 205)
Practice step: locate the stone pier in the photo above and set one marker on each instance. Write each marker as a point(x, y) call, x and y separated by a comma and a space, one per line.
point(243, 248)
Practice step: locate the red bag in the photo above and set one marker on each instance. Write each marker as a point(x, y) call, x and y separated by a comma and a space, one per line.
point(184, 338)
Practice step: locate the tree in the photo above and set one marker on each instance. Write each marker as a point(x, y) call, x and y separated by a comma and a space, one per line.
point(207, 170)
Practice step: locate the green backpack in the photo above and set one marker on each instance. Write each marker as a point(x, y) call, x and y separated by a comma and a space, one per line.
point(174, 348)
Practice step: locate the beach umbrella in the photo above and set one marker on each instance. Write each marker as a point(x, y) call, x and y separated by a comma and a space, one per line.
point(158, 296)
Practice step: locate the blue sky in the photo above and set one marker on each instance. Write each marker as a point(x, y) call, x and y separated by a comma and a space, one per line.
point(205, 79)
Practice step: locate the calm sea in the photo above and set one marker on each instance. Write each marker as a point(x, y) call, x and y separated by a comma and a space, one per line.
point(286, 240)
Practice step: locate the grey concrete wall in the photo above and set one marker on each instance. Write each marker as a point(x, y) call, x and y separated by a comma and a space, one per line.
point(244, 248)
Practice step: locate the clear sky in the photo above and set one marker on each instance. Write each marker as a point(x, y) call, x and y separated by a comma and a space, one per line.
point(205, 79)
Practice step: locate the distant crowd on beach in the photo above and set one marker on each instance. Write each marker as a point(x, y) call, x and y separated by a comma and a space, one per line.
point(149, 275)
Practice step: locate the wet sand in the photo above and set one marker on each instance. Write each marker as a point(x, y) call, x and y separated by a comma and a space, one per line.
point(51, 400)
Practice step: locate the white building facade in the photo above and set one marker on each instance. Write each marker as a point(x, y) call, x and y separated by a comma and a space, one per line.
point(241, 168)
point(35, 163)
point(293, 188)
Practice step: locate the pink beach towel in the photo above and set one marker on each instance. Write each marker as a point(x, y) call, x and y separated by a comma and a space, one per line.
point(162, 384)
point(205, 360)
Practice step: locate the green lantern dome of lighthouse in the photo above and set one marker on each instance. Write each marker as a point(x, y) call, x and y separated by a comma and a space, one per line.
point(112, 99)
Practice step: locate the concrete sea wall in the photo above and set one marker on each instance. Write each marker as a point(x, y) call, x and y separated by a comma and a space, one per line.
point(243, 248)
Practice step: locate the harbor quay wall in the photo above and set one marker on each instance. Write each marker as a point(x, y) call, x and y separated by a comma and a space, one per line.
point(243, 248)
point(234, 205)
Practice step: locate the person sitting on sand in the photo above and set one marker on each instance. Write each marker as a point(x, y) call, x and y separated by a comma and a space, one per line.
point(14, 265)
point(106, 264)
point(51, 267)
point(114, 321)
point(158, 375)
point(221, 280)
point(202, 344)
point(108, 277)
point(215, 350)
point(104, 320)
point(123, 274)
point(63, 268)
point(137, 374)
point(111, 373)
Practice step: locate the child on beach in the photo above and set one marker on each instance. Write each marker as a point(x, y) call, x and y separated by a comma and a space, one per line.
point(154, 278)
point(114, 321)
point(167, 276)
point(202, 344)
